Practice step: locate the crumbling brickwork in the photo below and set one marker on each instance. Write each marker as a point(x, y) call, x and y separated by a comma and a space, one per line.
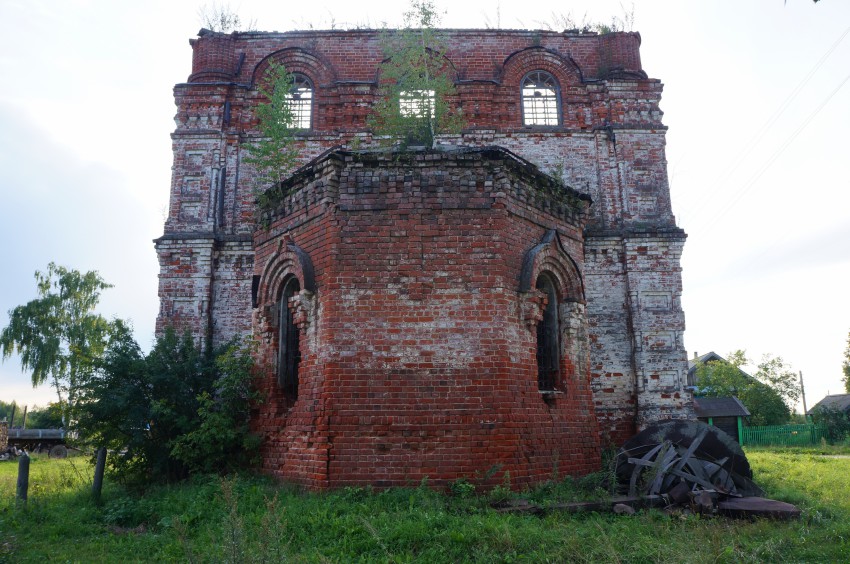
point(418, 347)
point(608, 144)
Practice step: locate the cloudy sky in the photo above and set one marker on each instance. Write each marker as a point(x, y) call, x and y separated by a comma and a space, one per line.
point(756, 99)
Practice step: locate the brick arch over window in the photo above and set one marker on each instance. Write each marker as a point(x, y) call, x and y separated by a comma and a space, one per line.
point(550, 256)
point(448, 66)
point(297, 60)
point(518, 64)
point(289, 259)
point(286, 322)
point(553, 306)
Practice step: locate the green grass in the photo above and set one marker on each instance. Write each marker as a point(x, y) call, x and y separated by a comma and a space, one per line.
point(252, 519)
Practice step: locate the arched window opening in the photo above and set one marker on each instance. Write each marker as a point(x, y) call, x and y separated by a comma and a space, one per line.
point(541, 103)
point(417, 104)
point(301, 101)
point(288, 353)
point(548, 337)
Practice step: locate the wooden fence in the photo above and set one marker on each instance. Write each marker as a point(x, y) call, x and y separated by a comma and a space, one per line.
point(784, 435)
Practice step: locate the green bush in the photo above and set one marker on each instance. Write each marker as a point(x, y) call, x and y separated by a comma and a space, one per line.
point(178, 410)
point(836, 422)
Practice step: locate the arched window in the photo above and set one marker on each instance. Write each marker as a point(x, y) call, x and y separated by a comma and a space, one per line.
point(417, 103)
point(288, 353)
point(541, 103)
point(301, 101)
point(548, 336)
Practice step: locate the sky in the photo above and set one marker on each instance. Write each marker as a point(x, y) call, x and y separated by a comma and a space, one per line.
point(756, 98)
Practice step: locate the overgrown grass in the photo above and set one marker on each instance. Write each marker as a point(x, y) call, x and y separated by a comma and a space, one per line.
point(252, 519)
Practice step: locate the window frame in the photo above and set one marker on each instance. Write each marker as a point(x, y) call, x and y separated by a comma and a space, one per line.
point(548, 345)
point(417, 104)
point(534, 77)
point(296, 104)
point(288, 339)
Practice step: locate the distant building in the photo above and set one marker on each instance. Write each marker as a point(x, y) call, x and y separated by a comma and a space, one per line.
point(833, 401)
point(694, 362)
point(727, 414)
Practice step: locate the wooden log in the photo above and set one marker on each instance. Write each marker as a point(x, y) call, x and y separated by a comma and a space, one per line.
point(749, 507)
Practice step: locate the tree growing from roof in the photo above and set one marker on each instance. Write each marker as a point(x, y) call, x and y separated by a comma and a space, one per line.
point(416, 85)
point(845, 366)
point(58, 335)
point(769, 395)
point(274, 156)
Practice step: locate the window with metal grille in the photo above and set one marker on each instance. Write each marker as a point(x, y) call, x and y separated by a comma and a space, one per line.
point(548, 337)
point(541, 104)
point(288, 353)
point(301, 101)
point(416, 103)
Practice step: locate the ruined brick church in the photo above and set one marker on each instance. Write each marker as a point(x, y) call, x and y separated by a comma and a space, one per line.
point(510, 302)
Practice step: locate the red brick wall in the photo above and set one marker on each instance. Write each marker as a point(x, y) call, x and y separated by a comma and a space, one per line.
point(419, 361)
point(609, 146)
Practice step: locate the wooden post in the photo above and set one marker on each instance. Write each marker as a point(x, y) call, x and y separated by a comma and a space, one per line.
point(23, 478)
point(803, 393)
point(740, 431)
point(99, 467)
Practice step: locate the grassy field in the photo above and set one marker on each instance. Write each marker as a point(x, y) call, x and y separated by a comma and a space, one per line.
point(251, 519)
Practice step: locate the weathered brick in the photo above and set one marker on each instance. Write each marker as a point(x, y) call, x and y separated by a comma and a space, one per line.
point(425, 261)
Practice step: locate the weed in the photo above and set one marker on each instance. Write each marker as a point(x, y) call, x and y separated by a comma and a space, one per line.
point(462, 488)
point(252, 519)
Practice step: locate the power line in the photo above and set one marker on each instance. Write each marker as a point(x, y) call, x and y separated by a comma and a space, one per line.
point(769, 123)
point(776, 154)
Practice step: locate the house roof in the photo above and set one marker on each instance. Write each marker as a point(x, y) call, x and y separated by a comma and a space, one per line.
point(703, 359)
point(835, 401)
point(707, 357)
point(719, 407)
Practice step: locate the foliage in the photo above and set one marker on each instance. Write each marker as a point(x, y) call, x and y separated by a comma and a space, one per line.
point(222, 18)
point(252, 519)
point(6, 411)
point(49, 417)
point(768, 395)
point(836, 421)
point(417, 88)
point(559, 21)
point(845, 366)
point(176, 411)
point(274, 156)
point(777, 374)
point(222, 441)
point(58, 335)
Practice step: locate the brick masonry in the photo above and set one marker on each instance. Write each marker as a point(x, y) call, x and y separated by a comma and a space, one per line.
point(626, 246)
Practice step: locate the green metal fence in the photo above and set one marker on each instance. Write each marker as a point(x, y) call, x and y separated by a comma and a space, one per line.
point(786, 435)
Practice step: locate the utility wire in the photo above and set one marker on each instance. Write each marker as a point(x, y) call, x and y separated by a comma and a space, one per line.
point(758, 174)
point(769, 123)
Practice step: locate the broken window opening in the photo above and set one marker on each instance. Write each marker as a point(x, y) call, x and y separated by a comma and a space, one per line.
point(417, 103)
point(301, 101)
point(548, 337)
point(541, 103)
point(288, 354)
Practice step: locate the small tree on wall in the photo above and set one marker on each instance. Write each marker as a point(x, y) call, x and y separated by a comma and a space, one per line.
point(416, 82)
point(274, 156)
